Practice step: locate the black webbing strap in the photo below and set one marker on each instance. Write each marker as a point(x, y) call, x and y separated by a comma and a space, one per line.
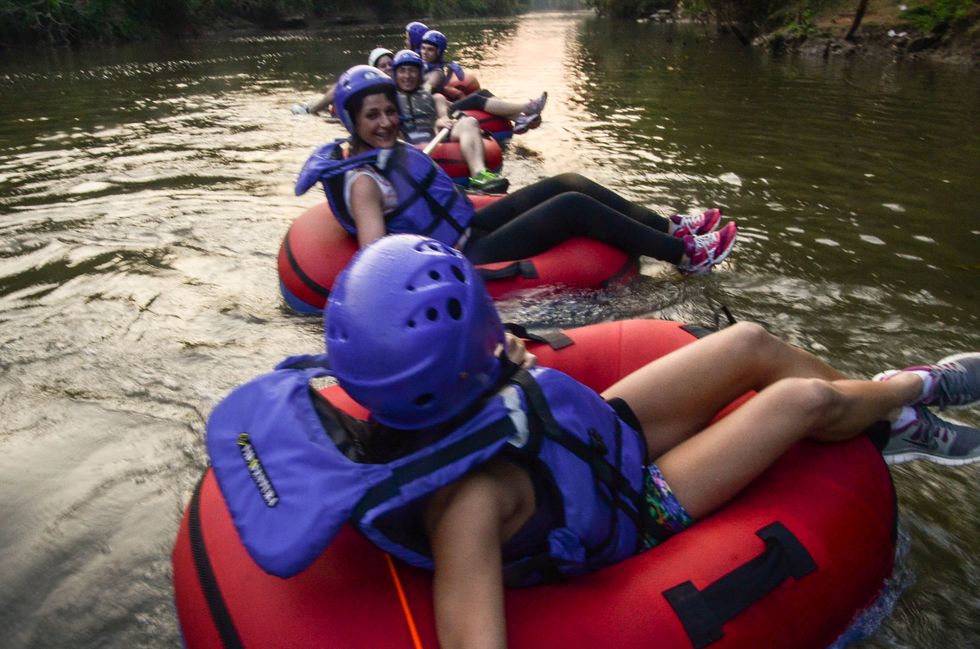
point(554, 339)
point(428, 464)
point(206, 577)
point(524, 268)
point(724, 311)
point(310, 283)
point(697, 330)
point(703, 613)
point(602, 470)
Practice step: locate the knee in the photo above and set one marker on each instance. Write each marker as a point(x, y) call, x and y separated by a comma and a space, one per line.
point(571, 181)
point(749, 337)
point(570, 203)
point(811, 400)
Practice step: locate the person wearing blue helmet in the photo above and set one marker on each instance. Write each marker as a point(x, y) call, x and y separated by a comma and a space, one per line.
point(424, 114)
point(413, 35)
point(436, 73)
point(511, 491)
point(377, 186)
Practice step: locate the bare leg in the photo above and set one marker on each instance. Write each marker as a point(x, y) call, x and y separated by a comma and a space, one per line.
point(713, 465)
point(677, 395)
point(466, 131)
point(490, 104)
point(502, 108)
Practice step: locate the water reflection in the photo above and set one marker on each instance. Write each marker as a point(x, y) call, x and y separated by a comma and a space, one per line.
point(144, 191)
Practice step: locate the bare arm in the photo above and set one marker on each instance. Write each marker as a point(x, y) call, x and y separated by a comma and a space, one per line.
point(467, 524)
point(434, 80)
point(325, 100)
point(517, 352)
point(443, 120)
point(366, 206)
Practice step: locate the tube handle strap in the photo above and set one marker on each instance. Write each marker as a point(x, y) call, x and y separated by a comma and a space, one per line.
point(703, 613)
point(524, 268)
point(555, 339)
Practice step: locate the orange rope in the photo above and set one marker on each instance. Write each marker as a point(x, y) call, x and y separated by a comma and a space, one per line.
point(416, 640)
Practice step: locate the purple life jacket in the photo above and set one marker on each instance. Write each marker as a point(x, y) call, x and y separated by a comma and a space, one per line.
point(287, 473)
point(429, 202)
point(446, 70)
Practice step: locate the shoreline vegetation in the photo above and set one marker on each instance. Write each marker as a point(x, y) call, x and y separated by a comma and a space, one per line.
point(899, 29)
point(946, 30)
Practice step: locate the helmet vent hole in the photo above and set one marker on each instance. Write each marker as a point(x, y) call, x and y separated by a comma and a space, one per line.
point(458, 274)
point(455, 309)
point(434, 274)
point(411, 323)
point(432, 314)
point(424, 400)
point(337, 333)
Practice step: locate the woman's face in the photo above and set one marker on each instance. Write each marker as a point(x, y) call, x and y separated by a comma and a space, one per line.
point(384, 64)
point(377, 122)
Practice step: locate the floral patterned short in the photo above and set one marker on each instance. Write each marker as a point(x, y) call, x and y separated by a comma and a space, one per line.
point(664, 508)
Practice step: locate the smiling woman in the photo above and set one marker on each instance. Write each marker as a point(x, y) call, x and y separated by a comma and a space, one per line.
point(381, 190)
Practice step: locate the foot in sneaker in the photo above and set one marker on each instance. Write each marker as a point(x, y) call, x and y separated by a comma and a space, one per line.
point(524, 122)
point(536, 106)
point(704, 251)
point(694, 224)
point(930, 437)
point(488, 181)
point(953, 382)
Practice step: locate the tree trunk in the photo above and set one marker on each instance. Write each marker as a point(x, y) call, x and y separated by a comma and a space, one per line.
point(858, 15)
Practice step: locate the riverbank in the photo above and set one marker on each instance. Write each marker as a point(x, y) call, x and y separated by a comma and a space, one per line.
point(884, 31)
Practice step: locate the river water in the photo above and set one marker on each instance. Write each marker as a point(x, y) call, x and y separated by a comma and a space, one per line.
point(144, 191)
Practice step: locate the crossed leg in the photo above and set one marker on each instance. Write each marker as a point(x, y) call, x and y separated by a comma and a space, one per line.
point(799, 396)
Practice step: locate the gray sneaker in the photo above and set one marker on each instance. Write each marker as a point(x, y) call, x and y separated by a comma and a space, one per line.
point(524, 123)
point(932, 438)
point(956, 381)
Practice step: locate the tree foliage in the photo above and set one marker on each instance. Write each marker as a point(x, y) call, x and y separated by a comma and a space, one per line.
point(72, 21)
point(751, 16)
point(630, 8)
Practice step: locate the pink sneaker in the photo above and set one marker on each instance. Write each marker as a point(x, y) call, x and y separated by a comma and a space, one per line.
point(694, 224)
point(706, 250)
point(535, 106)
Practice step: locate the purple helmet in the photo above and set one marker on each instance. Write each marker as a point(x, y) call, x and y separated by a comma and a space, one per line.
point(432, 37)
point(415, 30)
point(360, 80)
point(411, 332)
point(407, 57)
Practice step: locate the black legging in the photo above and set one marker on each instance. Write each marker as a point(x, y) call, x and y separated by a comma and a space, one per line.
point(475, 101)
point(540, 216)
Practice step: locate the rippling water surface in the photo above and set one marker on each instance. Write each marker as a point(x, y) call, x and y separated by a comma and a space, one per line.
point(144, 191)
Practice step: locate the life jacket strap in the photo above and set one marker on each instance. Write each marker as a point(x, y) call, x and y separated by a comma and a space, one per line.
point(625, 497)
point(407, 473)
point(441, 212)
